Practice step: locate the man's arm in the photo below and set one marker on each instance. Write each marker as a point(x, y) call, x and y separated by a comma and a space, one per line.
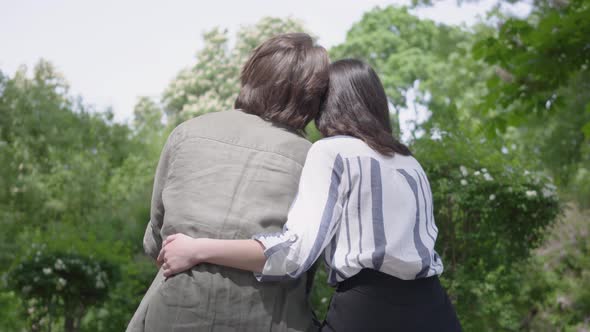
point(152, 240)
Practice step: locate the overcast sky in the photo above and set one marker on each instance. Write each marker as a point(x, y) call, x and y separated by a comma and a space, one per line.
point(111, 52)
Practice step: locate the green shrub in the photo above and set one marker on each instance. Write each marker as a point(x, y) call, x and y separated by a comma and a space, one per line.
point(60, 274)
point(116, 311)
point(561, 269)
point(491, 213)
point(10, 319)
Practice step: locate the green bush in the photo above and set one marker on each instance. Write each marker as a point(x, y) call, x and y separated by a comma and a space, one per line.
point(491, 213)
point(116, 311)
point(75, 187)
point(560, 274)
point(60, 274)
point(580, 187)
point(10, 315)
point(61, 284)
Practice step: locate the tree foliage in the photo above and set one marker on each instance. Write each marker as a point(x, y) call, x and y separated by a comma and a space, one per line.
point(60, 163)
point(536, 56)
point(432, 60)
point(541, 86)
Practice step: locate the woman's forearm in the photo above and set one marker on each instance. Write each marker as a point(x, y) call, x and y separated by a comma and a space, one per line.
point(181, 252)
point(239, 254)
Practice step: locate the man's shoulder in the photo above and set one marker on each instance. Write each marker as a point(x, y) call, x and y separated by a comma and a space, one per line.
point(207, 118)
point(248, 131)
point(208, 125)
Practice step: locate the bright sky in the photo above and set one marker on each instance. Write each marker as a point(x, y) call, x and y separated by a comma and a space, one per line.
point(111, 52)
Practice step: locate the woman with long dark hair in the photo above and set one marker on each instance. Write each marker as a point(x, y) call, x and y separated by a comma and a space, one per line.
point(366, 203)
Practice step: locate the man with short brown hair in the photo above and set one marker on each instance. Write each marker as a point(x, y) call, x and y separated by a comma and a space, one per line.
point(233, 174)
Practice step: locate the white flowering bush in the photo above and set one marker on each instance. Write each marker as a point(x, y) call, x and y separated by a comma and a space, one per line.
point(46, 274)
point(58, 284)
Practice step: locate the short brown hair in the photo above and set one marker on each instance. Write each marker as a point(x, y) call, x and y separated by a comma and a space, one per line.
point(284, 80)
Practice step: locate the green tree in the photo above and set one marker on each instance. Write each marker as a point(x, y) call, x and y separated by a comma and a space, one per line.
point(433, 60)
point(540, 93)
point(59, 162)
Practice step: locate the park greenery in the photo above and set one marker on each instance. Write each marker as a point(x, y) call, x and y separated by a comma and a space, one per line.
point(506, 148)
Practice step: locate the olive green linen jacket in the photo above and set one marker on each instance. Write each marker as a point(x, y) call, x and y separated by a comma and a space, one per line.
point(225, 175)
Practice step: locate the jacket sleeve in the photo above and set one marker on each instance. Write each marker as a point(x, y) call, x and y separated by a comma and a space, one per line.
point(312, 221)
point(152, 239)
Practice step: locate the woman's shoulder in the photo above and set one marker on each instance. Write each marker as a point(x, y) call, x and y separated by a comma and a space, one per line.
point(348, 147)
point(352, 147)
point(337, 144)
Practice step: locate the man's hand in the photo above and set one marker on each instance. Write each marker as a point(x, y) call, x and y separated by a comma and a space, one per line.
point(179, 253)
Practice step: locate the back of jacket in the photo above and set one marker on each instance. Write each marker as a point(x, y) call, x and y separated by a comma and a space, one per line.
point(225, 175)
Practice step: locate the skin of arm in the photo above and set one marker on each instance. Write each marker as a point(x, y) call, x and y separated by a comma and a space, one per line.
point(181, 252)
point(306, 220)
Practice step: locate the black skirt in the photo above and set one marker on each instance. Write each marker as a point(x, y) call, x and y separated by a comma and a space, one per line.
point(375, 301)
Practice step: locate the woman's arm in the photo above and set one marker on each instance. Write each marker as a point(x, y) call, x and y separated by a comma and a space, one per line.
point(181, 252)
point(311, 224)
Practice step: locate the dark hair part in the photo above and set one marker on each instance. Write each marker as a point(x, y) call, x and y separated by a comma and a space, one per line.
point(356, 105)
point(285, 80)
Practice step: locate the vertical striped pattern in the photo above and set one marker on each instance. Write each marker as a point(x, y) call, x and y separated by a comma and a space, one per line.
point(327, 215)
point(377, 208)
point(420, 247)
point(426, 214)
point(365, 210)
point(346, 213)
point(360, 219)
point(432, 224)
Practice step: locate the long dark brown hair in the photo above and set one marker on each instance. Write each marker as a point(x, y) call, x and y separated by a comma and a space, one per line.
point(356, 105)
point(285, 80)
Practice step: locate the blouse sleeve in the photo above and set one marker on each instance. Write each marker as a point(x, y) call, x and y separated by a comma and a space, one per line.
point(312, 220)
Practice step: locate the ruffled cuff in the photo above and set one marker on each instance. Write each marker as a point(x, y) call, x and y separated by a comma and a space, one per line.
point(276, 247)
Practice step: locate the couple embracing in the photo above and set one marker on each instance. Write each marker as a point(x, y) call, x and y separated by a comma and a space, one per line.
point(244, 206)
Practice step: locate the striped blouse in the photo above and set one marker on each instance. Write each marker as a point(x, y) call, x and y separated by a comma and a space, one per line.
point(363, 209)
